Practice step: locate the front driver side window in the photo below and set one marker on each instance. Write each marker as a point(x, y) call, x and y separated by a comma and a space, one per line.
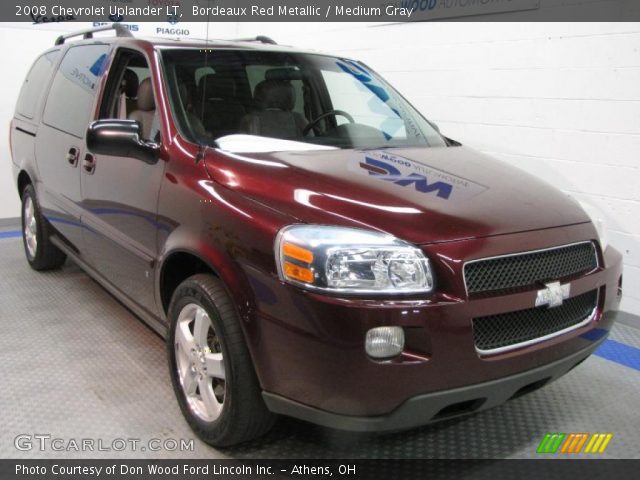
point(130, 94)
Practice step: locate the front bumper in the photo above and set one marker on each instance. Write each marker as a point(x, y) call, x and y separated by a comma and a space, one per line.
point(432, 407)
point(308, 349)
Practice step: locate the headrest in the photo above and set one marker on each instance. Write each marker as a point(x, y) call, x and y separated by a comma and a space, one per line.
point(215, 86)
point(130, 83)
point(283, 74)
point(145, 96)
point(275, 94)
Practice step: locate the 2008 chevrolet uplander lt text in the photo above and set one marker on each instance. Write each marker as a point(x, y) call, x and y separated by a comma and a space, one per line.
point(308, 243)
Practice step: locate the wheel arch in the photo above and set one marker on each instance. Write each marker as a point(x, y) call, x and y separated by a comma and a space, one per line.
point(23, 180)
point(177, 266)
point(180, 263)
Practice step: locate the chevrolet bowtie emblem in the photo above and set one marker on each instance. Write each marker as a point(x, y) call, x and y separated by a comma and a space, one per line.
point(553, 294)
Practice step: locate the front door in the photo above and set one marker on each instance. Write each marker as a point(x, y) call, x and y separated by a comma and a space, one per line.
point(120, 194)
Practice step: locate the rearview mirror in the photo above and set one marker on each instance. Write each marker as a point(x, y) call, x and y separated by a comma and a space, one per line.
point(121, 138)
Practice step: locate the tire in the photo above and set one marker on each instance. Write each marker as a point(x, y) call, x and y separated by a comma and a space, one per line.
point(36, 235)
point(216, 385)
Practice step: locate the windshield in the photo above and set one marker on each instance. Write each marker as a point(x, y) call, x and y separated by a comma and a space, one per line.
point(303, 98)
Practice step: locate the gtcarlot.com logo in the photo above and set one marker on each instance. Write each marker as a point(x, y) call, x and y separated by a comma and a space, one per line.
point(574, 443)
point(48, 443)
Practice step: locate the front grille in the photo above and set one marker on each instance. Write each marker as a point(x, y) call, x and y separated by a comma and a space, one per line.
point(522, 326)
point(530, 268)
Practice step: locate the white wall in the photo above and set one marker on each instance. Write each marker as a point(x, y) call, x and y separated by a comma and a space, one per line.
point(559, 100)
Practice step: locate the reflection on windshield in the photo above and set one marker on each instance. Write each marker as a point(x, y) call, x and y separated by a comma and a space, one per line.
point(234, 97)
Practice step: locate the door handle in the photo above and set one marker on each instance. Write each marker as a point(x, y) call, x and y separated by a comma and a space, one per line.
point(89, 164)
point(72, 156)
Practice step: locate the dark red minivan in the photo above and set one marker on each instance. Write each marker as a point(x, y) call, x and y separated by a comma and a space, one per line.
point(308, 243)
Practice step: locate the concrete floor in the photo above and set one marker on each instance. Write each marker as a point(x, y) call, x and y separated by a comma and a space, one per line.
point(76, 364)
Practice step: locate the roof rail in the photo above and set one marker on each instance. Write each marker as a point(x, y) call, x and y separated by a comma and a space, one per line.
point(121, 31)
point(259, 38)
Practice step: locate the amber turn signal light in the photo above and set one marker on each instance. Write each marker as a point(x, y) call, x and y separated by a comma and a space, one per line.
point(297, 253)
point(297, 272)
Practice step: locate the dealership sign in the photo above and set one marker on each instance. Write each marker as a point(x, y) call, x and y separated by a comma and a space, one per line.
point(434, 9)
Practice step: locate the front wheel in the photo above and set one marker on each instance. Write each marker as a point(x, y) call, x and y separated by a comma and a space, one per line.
point(36, 235)
point(211, 370)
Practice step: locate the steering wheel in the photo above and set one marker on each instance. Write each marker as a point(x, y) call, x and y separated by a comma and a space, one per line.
point(313, 122)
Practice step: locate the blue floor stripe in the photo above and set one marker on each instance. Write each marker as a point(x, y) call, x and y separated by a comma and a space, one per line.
point(11, 234)
point(620, 353)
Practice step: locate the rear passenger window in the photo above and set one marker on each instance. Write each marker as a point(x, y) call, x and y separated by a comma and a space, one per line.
point(74, 88)
point(35, 83)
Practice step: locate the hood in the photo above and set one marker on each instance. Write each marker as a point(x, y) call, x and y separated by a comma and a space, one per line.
point(421, 195)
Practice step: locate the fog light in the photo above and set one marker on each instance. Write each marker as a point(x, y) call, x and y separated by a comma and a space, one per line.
point(384, 342)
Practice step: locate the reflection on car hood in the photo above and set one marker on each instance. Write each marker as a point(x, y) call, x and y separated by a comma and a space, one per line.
point(421, 195)
point(240, 143)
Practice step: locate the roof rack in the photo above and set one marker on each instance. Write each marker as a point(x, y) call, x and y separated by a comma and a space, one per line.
point(121, 31)
point(259, 38)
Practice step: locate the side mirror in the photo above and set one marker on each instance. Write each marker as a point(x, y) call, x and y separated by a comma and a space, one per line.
point(121, 138)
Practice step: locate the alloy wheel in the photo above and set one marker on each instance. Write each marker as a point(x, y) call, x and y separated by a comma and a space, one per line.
point(30, 227)
point(200, 363)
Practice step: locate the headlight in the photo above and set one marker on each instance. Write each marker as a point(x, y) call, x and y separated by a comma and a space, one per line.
point(597, 218)
point(349, 260)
